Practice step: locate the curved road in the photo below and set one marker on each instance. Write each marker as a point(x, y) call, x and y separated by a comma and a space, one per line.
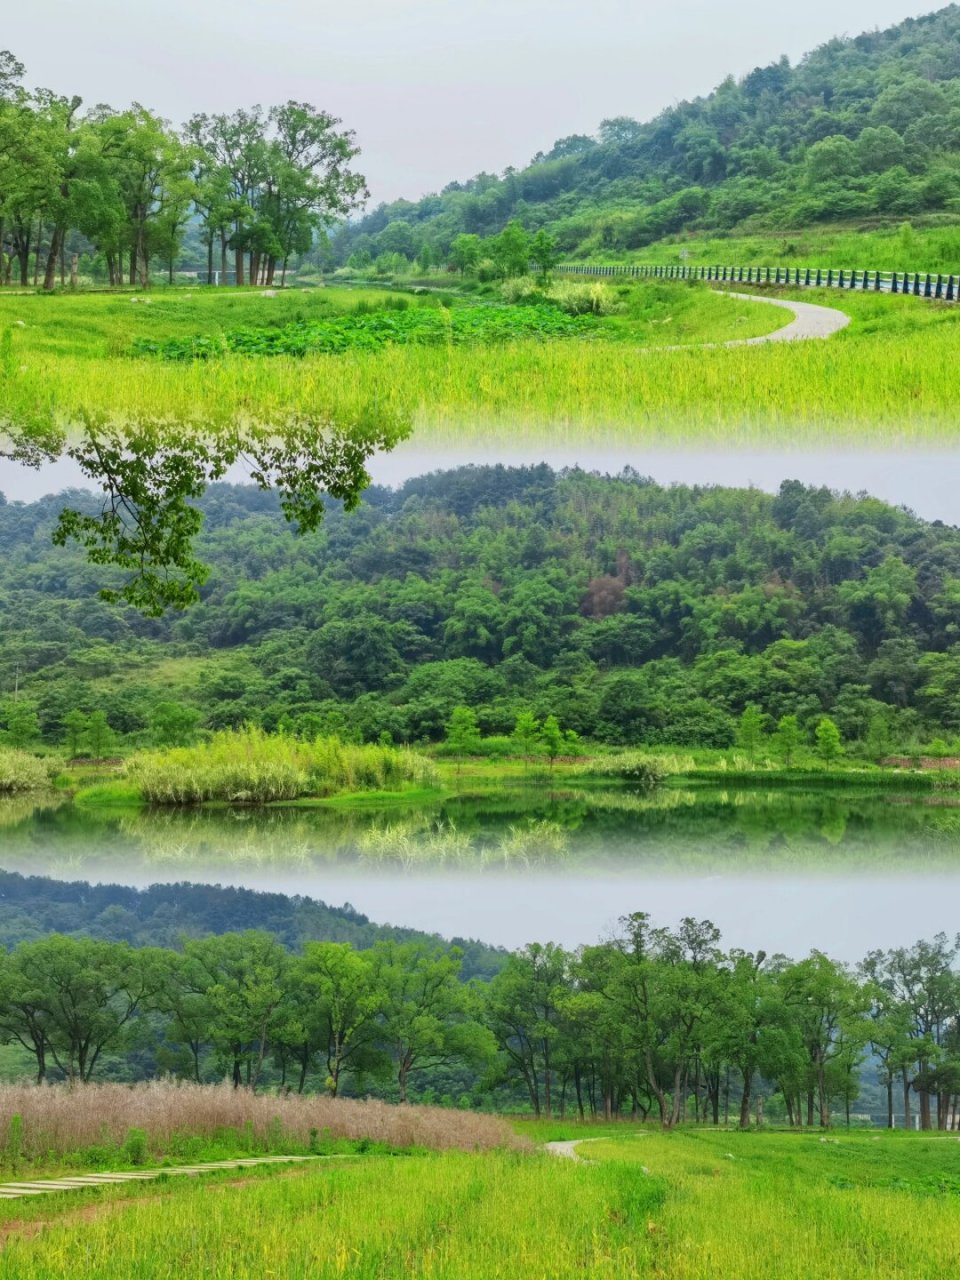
point(809, 321)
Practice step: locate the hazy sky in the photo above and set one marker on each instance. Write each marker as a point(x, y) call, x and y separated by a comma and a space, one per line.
point(435, 89)
point(844, 915)
point(927, 482)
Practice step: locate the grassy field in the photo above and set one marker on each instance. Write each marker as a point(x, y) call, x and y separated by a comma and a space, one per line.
point(69, 360)
point(685, 1206)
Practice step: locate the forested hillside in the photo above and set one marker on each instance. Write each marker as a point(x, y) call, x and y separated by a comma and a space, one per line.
point(865, 128)
point(163, 915)
point(635, 613)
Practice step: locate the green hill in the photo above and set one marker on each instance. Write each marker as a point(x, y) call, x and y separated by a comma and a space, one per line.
point(163, 915)
point(636, 613)
point(863, 130)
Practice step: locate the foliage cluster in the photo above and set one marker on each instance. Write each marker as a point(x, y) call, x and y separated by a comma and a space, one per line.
point(421, 326)
point(651, 1022)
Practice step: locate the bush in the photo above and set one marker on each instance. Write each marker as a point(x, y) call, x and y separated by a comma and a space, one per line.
point(633, 766)
point(20, 771)
point(520, 289)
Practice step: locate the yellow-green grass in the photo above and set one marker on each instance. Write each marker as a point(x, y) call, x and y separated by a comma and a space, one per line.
point(889, 379)
point(455, 1217)
point(693, 1205)
point(70, 367)
point(799, 1206)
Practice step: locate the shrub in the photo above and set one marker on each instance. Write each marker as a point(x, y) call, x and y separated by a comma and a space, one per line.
point(633, 766)
point(583, 297)
point(519, 289)
point(253, 767)
point(20, 771)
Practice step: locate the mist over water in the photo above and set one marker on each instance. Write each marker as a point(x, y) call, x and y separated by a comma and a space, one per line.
point(784, 870)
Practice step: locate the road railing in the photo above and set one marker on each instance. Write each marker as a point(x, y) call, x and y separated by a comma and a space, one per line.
point(918, 284)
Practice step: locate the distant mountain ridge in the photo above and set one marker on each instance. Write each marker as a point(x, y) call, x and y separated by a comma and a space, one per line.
point(33, 906)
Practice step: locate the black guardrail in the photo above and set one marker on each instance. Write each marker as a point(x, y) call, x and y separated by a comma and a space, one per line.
point(919, 284)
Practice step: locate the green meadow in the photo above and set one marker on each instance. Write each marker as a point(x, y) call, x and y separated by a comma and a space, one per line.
point(692, 1205)
point(640, 373)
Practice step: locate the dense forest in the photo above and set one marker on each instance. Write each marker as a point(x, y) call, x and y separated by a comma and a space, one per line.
point(865, 128)
point(653, 1021)
point(636, 614)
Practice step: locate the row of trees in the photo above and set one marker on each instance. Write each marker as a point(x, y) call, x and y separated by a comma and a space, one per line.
point(126, 185)
point(653, 1021)
point(512, 252)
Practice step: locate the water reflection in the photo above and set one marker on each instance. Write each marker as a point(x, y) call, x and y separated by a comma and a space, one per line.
point(698, 831)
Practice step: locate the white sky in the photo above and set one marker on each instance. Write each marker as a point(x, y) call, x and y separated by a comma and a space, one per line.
point(435, 89)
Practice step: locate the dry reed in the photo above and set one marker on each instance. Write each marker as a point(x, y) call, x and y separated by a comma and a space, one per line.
point(56, 1120)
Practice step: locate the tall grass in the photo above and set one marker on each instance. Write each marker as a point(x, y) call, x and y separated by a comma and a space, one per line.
point(56, 1120)
point(250, 766)
point(448, 1217)
point(21, 772)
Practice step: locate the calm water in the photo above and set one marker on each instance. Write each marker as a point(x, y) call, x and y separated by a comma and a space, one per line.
point(695, 831)
point(780, 870)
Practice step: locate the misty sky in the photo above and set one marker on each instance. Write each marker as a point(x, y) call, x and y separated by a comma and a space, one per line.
point(435, 89)
point(926, 482)
point(845, 915)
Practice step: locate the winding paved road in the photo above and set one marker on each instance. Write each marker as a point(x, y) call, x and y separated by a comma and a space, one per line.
point(809, 321)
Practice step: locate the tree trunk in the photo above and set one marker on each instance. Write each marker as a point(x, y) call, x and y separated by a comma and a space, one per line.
point(210, 258)
point(906, 1098)
point(53, 257)
point(745, 1100)
point(577, 1086)
point(890, 1121)
point(239, 266)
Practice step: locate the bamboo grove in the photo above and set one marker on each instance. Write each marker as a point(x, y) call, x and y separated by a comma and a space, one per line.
point(652, 1022)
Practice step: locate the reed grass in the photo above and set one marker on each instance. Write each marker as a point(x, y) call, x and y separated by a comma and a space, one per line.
point(250, 766)
point(57, 1120)
point(22, 772)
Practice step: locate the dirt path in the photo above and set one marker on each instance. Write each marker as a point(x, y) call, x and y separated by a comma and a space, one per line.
point(568, 1150)
point(49, 1186)
point(809, 321)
